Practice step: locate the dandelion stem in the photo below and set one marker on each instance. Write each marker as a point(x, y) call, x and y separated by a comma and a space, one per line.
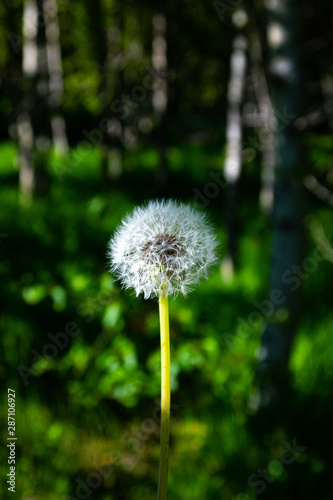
point(165, 397)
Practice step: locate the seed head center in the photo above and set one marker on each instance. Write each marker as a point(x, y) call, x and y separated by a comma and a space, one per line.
point(161, 249)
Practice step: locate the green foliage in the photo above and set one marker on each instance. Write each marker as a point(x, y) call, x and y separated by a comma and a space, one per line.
point(91, 399)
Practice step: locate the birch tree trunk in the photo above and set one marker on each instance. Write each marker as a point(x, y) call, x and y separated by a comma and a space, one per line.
point(234, 133)
point(160, 94)
point(56, 81)
point(115, 68)
point(266, 125)
point(111, 62)
point(160, 64)
point(24, 126)
point(13, 23)
point(34, 128)
point(282, 308)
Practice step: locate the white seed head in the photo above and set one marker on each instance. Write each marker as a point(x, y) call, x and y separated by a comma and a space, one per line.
point(164, 247)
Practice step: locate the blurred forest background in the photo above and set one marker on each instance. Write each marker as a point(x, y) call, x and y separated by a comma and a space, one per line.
point(229, 105)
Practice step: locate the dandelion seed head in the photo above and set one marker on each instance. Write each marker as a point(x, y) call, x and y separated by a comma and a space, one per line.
point(163, 247)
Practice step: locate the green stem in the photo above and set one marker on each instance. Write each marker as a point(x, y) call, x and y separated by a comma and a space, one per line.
point(165, 397)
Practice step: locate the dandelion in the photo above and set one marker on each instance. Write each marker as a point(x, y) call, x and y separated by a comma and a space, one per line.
point(160, 250)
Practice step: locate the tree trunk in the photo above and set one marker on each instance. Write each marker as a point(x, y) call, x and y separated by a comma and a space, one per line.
point(266, 127)
point(24, 126)
point(111, 61)
point(56, 82)
point(34, 128)
point(12, 82)
point(115, 67)
point(282, 309)
point(26, 147)
point(160, 95)
point(233, 160)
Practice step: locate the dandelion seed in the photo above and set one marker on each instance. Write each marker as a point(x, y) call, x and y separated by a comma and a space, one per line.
point(164, 247)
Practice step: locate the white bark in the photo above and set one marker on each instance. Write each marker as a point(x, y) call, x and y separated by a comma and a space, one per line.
point(160, 95)
point(56, 84)
point(26, 143)
point(267, 127)
point(24, 127)
point(34, 130)
point(30, 28)
point(233, 160)
point(160, 63)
